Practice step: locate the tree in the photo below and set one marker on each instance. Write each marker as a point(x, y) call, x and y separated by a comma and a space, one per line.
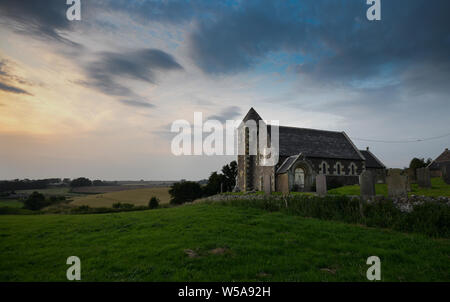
point(153, 203)
point(81, 182)
point(186, 191)
point(97, 183)
point(415, 164)
point(215, 181)
point(230, 173)
point(35, 201)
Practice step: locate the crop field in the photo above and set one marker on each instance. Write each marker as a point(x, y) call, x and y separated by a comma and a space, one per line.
point(138, 197)
point(211, 242)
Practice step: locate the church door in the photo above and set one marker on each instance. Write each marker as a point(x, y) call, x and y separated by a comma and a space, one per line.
point(299, 177)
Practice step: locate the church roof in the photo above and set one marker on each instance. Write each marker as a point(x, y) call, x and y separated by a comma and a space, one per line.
point(287, 164)
point(317, 143)
point(444, 157)
point(312, 142)
point(371, 160)
point(252, 115)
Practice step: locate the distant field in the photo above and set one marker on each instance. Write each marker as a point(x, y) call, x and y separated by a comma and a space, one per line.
point(108, 189)
point(64, 191)
point(139, 197)
point(210, 242)
point(438, 188)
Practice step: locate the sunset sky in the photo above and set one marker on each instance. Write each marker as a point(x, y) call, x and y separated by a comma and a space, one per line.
point(96, 97)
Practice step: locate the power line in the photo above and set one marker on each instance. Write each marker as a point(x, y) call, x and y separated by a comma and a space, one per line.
point(401, 141)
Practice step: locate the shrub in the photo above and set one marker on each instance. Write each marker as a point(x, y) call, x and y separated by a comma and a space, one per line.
point(186, 191)
point(120, 205)
point(430, 218)
point(153, 203)
point(35, 201)
point(81, 182)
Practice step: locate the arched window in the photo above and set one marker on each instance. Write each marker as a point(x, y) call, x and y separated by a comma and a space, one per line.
point(338, 169)
point(352, 169)
point(299, 177)
point(323, 168)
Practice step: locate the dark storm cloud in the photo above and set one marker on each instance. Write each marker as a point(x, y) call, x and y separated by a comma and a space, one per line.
point(12, 89)
point(135, 103)
point(335, 39)
point(110, 69)
point(174, 11)
point(228, 113)
point(42, 19)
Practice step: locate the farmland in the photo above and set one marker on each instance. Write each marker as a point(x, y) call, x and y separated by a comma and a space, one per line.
point(138, 197)
point(211, 242)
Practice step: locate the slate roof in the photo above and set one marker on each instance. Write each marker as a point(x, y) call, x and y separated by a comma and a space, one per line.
point(371, 160)
point(444, 157)
point(252, 115)
point(317, 143)
point(312, 142)
point(287, 164)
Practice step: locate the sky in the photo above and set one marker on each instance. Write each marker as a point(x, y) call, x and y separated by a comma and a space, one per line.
point(97, 97)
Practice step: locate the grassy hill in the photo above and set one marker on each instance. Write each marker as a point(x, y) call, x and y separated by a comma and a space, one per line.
point(211, 242)
point(438, 188)
point(138, 197)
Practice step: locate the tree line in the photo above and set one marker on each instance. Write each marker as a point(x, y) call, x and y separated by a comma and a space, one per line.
point(188, 191)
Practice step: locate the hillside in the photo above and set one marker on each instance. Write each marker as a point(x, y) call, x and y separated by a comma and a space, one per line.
point(211, 242)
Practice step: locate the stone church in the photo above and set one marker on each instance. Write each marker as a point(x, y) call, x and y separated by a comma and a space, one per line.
point(303, 154)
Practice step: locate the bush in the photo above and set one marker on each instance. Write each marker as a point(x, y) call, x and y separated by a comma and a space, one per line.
point(81, 182)
point(429, 218)
point(35, 202)
point(57, 199)
point(186, 191)
point(120, 205)
point(153, 203)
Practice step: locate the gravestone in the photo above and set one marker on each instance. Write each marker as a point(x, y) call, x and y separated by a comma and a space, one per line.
point(423, 177)
point(445, 168)
point(321, 185)
point(267, 184)
point(397, 185)
point(367, 184)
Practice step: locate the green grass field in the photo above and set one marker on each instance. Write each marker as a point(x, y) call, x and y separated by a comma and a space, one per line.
point(11, 203)
point(138, 197)
point(225, 243)
point(438, 188)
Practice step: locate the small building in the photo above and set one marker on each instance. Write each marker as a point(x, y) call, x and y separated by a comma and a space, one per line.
point(374, 165)
point(303, 154)
point(436, 165)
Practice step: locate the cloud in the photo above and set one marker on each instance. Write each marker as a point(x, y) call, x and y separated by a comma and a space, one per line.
point(135, 103)
point(41, 19)
point(5, 74)
point(12, 89)
point(332, 40)
point(110, 68)
point(228, 113)
point(175, 11)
